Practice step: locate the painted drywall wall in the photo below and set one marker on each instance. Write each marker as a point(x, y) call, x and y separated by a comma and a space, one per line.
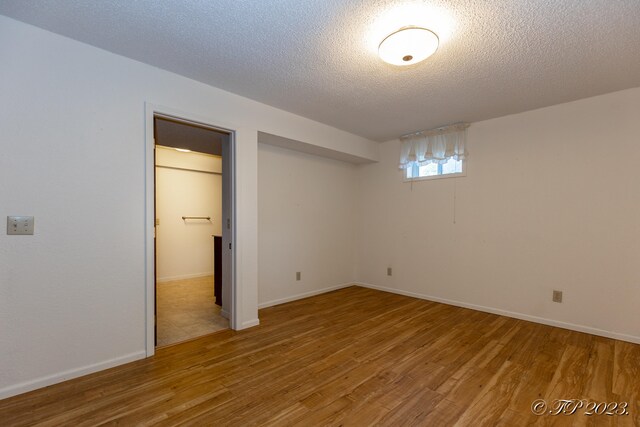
point(551, 201)
point(187, 184)
point(72, 296)
point(306, 224)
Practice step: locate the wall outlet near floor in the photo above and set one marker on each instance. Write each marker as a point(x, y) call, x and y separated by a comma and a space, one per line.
point(557, 296)
point(389, 271)
point(298, 275)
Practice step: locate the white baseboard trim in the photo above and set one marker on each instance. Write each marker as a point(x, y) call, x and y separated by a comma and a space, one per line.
point(26, 386)
point(303, 295)
point(224, 313)
point(182, 277)
point(521, 316)
point(249, 324)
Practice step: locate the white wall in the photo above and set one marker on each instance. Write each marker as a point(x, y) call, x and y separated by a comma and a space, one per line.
point(185, 186)
point(72, 297)
point(306, 223)
point(551, 200)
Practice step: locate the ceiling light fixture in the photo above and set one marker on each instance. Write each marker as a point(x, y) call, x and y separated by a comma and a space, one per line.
point(408, 45)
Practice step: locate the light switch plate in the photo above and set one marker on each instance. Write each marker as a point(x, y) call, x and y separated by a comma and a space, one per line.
point(20, 225)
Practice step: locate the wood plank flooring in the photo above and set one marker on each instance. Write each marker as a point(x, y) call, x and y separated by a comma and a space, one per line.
point(353, 357)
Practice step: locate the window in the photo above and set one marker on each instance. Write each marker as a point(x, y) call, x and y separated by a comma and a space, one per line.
point(435, 153)
point(451, 168)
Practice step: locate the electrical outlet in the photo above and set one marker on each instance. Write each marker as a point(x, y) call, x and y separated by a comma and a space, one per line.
point(298, 275)
point(557, 296)
point(389, 271)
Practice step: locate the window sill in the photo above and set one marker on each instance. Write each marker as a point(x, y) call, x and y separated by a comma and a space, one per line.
point(429, 178)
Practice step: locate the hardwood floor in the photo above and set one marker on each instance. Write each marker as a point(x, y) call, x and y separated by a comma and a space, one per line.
point(353, 357)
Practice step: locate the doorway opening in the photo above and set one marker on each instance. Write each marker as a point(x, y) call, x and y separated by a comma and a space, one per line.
point(192, 229)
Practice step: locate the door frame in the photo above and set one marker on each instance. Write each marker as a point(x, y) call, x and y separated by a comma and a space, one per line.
point(152, 111)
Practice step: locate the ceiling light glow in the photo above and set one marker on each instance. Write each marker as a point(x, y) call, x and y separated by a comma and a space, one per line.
point(183, 150)
point(408, 45)
point(414, 13)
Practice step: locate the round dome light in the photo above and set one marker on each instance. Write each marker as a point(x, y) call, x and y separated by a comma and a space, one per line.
point(408, 45)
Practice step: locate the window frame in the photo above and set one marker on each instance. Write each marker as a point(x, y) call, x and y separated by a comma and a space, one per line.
point(428, 178)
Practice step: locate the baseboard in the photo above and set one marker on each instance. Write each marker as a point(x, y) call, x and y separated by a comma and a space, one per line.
point(224, 313)
point(249, 324)
point(515, 315)
point(303, 295)
point(27, 386)
point(182, 277)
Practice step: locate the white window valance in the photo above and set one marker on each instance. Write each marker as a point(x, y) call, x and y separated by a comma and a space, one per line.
point(434, 146)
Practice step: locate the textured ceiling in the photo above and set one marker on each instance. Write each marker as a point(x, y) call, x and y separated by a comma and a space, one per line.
point(318, 58)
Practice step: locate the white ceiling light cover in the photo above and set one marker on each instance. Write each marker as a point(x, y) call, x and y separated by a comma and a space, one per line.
point(408, 46)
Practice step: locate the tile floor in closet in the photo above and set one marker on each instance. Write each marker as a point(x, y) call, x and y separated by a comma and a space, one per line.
point(186, 310)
